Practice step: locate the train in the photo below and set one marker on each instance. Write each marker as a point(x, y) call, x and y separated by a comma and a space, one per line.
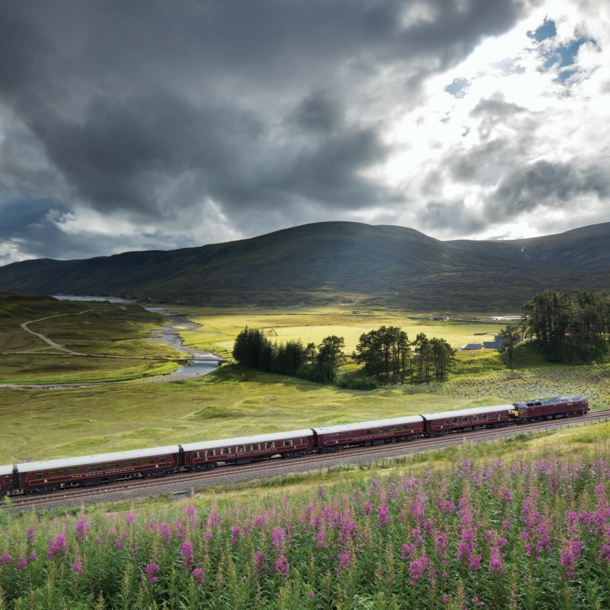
point(104, 469)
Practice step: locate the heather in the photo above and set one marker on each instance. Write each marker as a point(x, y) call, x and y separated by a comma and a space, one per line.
point(525, 533)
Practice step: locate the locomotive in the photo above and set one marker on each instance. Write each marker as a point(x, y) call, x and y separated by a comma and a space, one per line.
point(103, 469)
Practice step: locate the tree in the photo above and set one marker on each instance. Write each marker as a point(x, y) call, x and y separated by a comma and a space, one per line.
point(330, 351)
point(443, 358)
point(384, 353)
point(509, 337)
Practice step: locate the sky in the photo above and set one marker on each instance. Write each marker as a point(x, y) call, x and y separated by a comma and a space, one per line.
point(151, 124)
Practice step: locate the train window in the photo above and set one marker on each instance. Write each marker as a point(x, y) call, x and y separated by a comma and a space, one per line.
point(454, 420)
point(147, 461)
point(162, 458)
point(56, 473)
point(464, 419)
point(241, 449)
point(446, 421)
point(380, 430)
point(129, 463)
point(393, 429)
point(288, 443)
point(301, 441)
point(475, 418)
point(368, 431)
point(210, 453)
point(112, 465)
point(255, 447)
point(39, 475)
point(225, 450)
point(269, 445)
point(498, 415)
point(75, 470)
point(484, 416)
point(405, 427)
point(196, 455)
point(333, 435)
point(94, 468)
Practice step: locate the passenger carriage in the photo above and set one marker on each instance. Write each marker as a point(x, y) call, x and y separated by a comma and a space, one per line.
point(550, 408)
point(466, 419)
point(51, 475)
point(6, 479)
point(208, 454)
point(332, 438)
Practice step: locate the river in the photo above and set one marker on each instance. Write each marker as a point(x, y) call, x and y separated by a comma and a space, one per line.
point(201, 363)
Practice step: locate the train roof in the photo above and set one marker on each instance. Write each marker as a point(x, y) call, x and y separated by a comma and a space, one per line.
point(463, 412)
point(411, 419)
point(549, 401)
point(97, 459)
point(244, 440)
point(6, 470)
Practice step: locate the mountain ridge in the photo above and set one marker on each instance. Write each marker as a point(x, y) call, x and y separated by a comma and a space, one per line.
point(330, 261)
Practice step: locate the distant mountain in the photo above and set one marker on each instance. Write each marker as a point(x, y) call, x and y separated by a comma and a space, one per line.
point(335, 262)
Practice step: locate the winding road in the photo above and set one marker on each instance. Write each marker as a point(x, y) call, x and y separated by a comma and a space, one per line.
point(47, 340)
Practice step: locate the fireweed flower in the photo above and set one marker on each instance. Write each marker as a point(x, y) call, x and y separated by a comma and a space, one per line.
point(129, 517)
point(417, 569)
point(77, 568)
point(383, 515)
point(282, 566)
point(6, 559)
point(235, 532)
point(22, 564)
point(81, 528)
point(406, 551)
point(569, 555)
point(344, 561)
point(57, 546)
point(259, 562)
point(367, 508)
point(277, 538)
point(199, 576)
point(33, 557)
point(30, 534)
point(151, 570)
point(186, 552)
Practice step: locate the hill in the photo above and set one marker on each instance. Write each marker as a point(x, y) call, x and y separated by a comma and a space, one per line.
point(330, 261)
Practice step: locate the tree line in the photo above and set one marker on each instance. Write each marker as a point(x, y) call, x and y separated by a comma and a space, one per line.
point(569, 325)
point(386, 353)
point(389, 357)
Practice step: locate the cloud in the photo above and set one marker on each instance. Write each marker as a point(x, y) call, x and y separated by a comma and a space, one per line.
point(548, 185)
point(148, 124)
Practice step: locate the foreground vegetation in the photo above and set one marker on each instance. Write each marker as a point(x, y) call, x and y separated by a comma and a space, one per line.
point(453, 529)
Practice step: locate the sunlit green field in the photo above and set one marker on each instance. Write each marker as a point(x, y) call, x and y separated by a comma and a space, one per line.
point(233, 402)
point(312, 325)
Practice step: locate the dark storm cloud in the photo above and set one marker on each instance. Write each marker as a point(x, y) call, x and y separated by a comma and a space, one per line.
point(450, 215)
point(147, 108)
point(552, 185)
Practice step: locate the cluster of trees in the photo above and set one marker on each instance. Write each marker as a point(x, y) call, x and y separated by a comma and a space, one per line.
point(314, 362)
point(386, 353)
point(389, 357)
point(569, 325)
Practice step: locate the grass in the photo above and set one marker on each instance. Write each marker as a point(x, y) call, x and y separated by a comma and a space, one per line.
point(231, 402)
point(219, 329)
point(104, 330)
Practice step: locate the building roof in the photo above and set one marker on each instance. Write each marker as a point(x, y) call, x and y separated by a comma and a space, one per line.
point(244, 440)
point(465, 412)
point(97, 459)
point(472, 346)
point(412, 419)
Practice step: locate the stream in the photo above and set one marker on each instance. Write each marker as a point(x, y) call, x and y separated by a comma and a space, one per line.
point(201, 363)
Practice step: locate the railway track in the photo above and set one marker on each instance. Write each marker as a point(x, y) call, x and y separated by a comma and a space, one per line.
point(191, 480)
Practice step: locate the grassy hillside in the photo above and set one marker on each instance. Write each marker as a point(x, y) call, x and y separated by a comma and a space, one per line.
point(93, 328)
point(328, 262)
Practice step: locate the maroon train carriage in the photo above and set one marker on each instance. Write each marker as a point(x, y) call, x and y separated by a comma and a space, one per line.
point(41, 477)
point(209, 454)
point(550, 408)
point(333, 438)
point(6, 480)
point(467, 419)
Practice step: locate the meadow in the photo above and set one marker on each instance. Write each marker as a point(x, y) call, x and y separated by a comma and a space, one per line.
point(219, 328)
point(519, 523)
